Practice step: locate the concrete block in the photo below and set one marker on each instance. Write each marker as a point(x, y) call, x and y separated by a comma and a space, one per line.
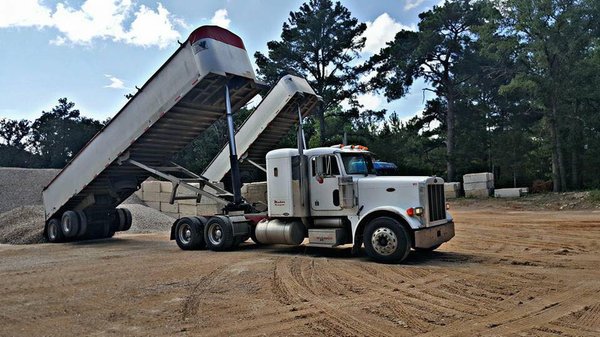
point(207, 201)
point(165, 197)
point(150, 196)
point(151, 186)
point(187, 202)
point(479, 185)
point(187, 210)
point(510, 192)
point(255, 192)
point(166, 207)
point(453, 186)
point(203, 209)
point(139, 193)
point(153, 204)
point(166, 186)
point(483, 193)
point(478, 177)
point(451, 194)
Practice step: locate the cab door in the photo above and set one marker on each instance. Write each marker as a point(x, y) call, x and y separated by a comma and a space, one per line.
point(324, 187)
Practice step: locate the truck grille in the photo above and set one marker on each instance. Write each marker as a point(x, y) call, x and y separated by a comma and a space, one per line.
point(436, 202)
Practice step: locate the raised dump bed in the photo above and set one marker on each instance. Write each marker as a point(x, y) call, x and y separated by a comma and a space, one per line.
point(181, 100)
point(272, 120)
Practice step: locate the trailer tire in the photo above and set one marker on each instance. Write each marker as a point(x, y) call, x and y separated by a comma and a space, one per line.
point(189, 233)
point(54, 232)
point(218, 234)
point(70, 224)
point(128, 219)
point(82, 224)
point(119, 220)
point(386, 240)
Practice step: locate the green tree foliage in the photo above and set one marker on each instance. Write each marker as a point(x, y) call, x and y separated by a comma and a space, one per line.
point(14, 133)
point(59, 134)
point(13, 136)
point(553, 38)
point(442, 51)
point(320, 41)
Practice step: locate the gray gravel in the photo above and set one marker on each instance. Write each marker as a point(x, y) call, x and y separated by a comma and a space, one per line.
point(148, 220)
point(22, 213)
point(22, 225)
point(20, 187)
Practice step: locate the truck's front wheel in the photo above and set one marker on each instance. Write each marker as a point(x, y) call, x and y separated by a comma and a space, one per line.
point(386, 240)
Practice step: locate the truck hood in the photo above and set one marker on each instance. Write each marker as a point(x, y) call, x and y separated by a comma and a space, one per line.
point(396, 181)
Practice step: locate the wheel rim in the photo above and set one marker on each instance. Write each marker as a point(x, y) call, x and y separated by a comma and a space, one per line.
point(384, 241)
point(52, 231)
point(215, 234)
point(67, 225)
point(185, 233)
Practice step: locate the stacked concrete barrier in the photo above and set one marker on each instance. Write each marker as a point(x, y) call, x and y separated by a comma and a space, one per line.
point(255, 192)
point(511, 192)
point(478, 185)
point(157, 194)
point(452, 190)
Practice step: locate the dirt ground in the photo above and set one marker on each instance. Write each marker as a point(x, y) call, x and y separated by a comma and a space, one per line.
point(506, 273)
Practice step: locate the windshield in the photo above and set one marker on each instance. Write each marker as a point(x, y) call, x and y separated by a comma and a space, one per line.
point(358, 163)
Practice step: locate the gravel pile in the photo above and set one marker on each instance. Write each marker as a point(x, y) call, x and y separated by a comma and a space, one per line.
point(22, 213)
point(21, 187)
point(148, 220)
point(22, 225)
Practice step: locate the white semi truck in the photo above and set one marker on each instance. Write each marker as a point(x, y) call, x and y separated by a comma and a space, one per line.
point(331, 196)
point(328, 195)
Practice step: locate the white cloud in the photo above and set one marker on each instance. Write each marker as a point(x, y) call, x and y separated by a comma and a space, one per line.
point(370, 101)
point(95, 19)
point(115, 83)
point(24, 13)
point(221, 18)
point(412, 4)
point(152, 28)
point(380, 31)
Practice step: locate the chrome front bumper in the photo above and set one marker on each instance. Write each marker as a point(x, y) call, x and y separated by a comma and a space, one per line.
point(432, 236)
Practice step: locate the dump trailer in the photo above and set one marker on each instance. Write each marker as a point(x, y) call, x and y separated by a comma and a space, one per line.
point(290, 100)
point(208, 77)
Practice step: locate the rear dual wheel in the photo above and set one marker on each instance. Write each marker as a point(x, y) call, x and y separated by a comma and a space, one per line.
point(123, 220)
point(218, 234)
point(189, 233)
point(54, 231)
point(70, 224)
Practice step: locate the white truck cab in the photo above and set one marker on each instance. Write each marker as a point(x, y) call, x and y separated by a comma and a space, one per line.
point(336, 198)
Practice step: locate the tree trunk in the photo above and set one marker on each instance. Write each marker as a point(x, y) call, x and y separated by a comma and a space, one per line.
point(555, 167)
point(575, 148)
point(450, 137)
point(321, 126)
point(558, 163)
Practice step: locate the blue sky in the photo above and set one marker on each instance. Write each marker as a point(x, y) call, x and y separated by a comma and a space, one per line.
point(95, 51)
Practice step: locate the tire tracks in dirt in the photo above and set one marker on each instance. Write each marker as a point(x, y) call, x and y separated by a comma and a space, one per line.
point(516, 319)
